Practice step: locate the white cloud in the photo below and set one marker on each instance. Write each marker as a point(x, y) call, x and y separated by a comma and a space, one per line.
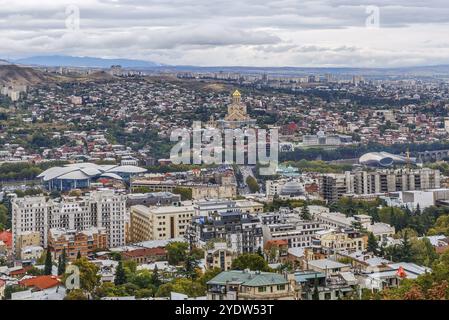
point(225, 32)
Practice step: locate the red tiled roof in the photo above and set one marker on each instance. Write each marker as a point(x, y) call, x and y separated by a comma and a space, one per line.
point(20, 271)
point(41, 282)
point(6, 237)
point(145, 252)
point(280, 242)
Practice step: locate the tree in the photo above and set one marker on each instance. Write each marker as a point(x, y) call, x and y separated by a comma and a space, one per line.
point(176, 252)
point(181, 285)
point(62, 260)
point(209, 275)
point(305, 213)
point(144, 293)
point(185, 193)
point(155, 280)
point(76, 294)
point(48, 262)
point(251, 261)
point(316, 293)
point(9, 290)
point(120, 275)
point(441, 226)
point(372, 243)
point(88, 272)
point(406, 248)
point(252, 184)
point(259, 251)
point(78, 255)
point(190, 267)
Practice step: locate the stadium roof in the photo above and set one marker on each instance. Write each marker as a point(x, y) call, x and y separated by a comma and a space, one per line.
point(81, 171)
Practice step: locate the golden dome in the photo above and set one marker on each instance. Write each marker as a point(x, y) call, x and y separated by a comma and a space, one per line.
point(236, 93)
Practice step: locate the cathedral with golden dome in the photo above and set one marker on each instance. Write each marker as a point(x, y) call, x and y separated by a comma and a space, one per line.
point(237, 116)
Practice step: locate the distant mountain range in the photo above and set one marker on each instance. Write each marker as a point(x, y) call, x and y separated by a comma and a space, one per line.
point(89, 62)
point(93, 62)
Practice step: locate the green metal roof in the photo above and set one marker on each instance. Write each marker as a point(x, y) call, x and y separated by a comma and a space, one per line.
point(250, 279)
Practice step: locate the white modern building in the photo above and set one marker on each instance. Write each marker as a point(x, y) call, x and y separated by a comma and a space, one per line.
point(97, 209)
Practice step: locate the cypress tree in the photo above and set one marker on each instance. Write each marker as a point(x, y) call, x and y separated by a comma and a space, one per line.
point(48, 262)
point(155, 277)
point(62, 260)
point(78, 256)
point(259, 252)
point(120, 275)
point(406, 248)
point(305, 213)
point(316, 293)
point(372, 243)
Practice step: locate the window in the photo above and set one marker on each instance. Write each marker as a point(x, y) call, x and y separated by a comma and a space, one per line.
point(281, 287)
point(261, 289)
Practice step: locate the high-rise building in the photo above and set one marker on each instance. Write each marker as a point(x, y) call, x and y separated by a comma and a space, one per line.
point(101, 209)
point(334, 186)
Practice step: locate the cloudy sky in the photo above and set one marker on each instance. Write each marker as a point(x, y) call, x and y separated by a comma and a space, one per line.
point(367, 33)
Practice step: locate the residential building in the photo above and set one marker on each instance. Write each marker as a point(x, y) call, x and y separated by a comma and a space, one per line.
point(159, 223)
point(251, 285)
point(240, 230)
point(101, 209)
point(287, 225)
point(220, 256)
point(145, 255)
point(83, 242)
point(334, 186)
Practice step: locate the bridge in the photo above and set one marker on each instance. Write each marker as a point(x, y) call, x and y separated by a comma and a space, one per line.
point(428, 156)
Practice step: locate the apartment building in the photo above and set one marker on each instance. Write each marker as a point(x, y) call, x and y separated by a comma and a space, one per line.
point(333, 186)
point(159, 223)
point(209, 207)
point(241, 231)
point(27, 239)
point(199, 190)
point(342, 239)
point(85, 242)
point(287, 225)
point(101, 209)
point(220, 256)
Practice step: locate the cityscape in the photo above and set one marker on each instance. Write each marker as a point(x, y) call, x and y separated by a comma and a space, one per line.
point(219, 175)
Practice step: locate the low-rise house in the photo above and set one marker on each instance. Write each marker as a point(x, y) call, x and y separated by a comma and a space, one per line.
point(327, 266)
point(364, 262)
point(276, 250)
point(313, 285)
point(54, 293)
point(145, 255)
point(39, 283)
point(251, 285)
point(392, 277)
point(31, 253)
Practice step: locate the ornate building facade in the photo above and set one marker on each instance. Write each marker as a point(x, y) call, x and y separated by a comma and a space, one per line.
point(237, 116)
